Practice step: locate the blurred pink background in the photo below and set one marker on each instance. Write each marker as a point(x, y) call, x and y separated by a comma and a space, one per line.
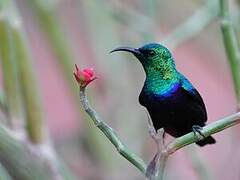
point(92, 29)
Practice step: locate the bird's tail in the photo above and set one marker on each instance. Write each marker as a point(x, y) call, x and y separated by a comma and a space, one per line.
point(205, 141)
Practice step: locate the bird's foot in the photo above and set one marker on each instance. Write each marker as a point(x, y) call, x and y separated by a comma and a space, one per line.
point(197, 130)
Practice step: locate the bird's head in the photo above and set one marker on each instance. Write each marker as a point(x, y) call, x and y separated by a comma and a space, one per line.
point(152, 56)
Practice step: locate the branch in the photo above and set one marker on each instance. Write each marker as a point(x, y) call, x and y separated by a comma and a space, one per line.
point(24, 159)
point(2, 101)
point(178, 143)
point(50, 24)
point(4, 175)
point(12, 104)
point(111, 134)
point(25, 162)
point(191, 138)
point(231, 47)
point(19, 161)
point(27, 80)
point(208, 130)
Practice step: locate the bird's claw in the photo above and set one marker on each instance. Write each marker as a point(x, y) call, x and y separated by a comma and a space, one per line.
point(197, 130)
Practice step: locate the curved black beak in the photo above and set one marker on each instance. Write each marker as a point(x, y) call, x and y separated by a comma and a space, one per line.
point(127, 49)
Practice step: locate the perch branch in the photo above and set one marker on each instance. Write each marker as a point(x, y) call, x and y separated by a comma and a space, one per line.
point(178, 143)
point(110, 134)
point(191, 138)
point(208, 130)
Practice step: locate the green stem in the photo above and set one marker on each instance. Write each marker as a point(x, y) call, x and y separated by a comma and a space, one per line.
point(20, 162)
point(11, 86)
point(2, 101)
point(23, 161)
point(231, 47)
point(191, 138)
point(4, 175)
point(26, 76)
point(29, 90)
point(51, 26)
point(178, 143)
point(208, 130)
point(111, 134)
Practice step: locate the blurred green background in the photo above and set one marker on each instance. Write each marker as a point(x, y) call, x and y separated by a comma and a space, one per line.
point(61, 33)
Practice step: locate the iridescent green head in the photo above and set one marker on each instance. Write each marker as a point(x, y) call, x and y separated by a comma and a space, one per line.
point(154, 57)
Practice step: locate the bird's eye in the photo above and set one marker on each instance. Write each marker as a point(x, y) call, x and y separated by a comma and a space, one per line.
point(151, 53)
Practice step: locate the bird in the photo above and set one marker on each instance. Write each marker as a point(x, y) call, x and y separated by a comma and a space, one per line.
point(171, 100)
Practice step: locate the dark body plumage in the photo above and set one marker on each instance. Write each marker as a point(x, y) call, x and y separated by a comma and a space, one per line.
point(171, 100)
point(177, 110)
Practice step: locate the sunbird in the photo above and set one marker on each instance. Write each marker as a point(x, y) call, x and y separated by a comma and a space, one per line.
point(171, 100)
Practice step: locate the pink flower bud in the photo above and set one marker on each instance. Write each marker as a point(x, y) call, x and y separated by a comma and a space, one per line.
point(84, 77)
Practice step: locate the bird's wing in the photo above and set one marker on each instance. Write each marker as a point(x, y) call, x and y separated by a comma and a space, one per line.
point(189, 89)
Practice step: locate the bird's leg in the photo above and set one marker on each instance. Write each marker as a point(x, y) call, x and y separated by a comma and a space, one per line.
point(198, 130)
point(158, 137)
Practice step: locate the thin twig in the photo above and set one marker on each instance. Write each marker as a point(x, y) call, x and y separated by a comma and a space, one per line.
point(25, 162)
point(2, 102)
point(111, 135)
point(231, 47)
point(51, 25)
point(208, 130)
point(178, 143)
point(11, 106)
point(28, 84)
point(190, 138)
point(20, 162)
point(4, 175)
